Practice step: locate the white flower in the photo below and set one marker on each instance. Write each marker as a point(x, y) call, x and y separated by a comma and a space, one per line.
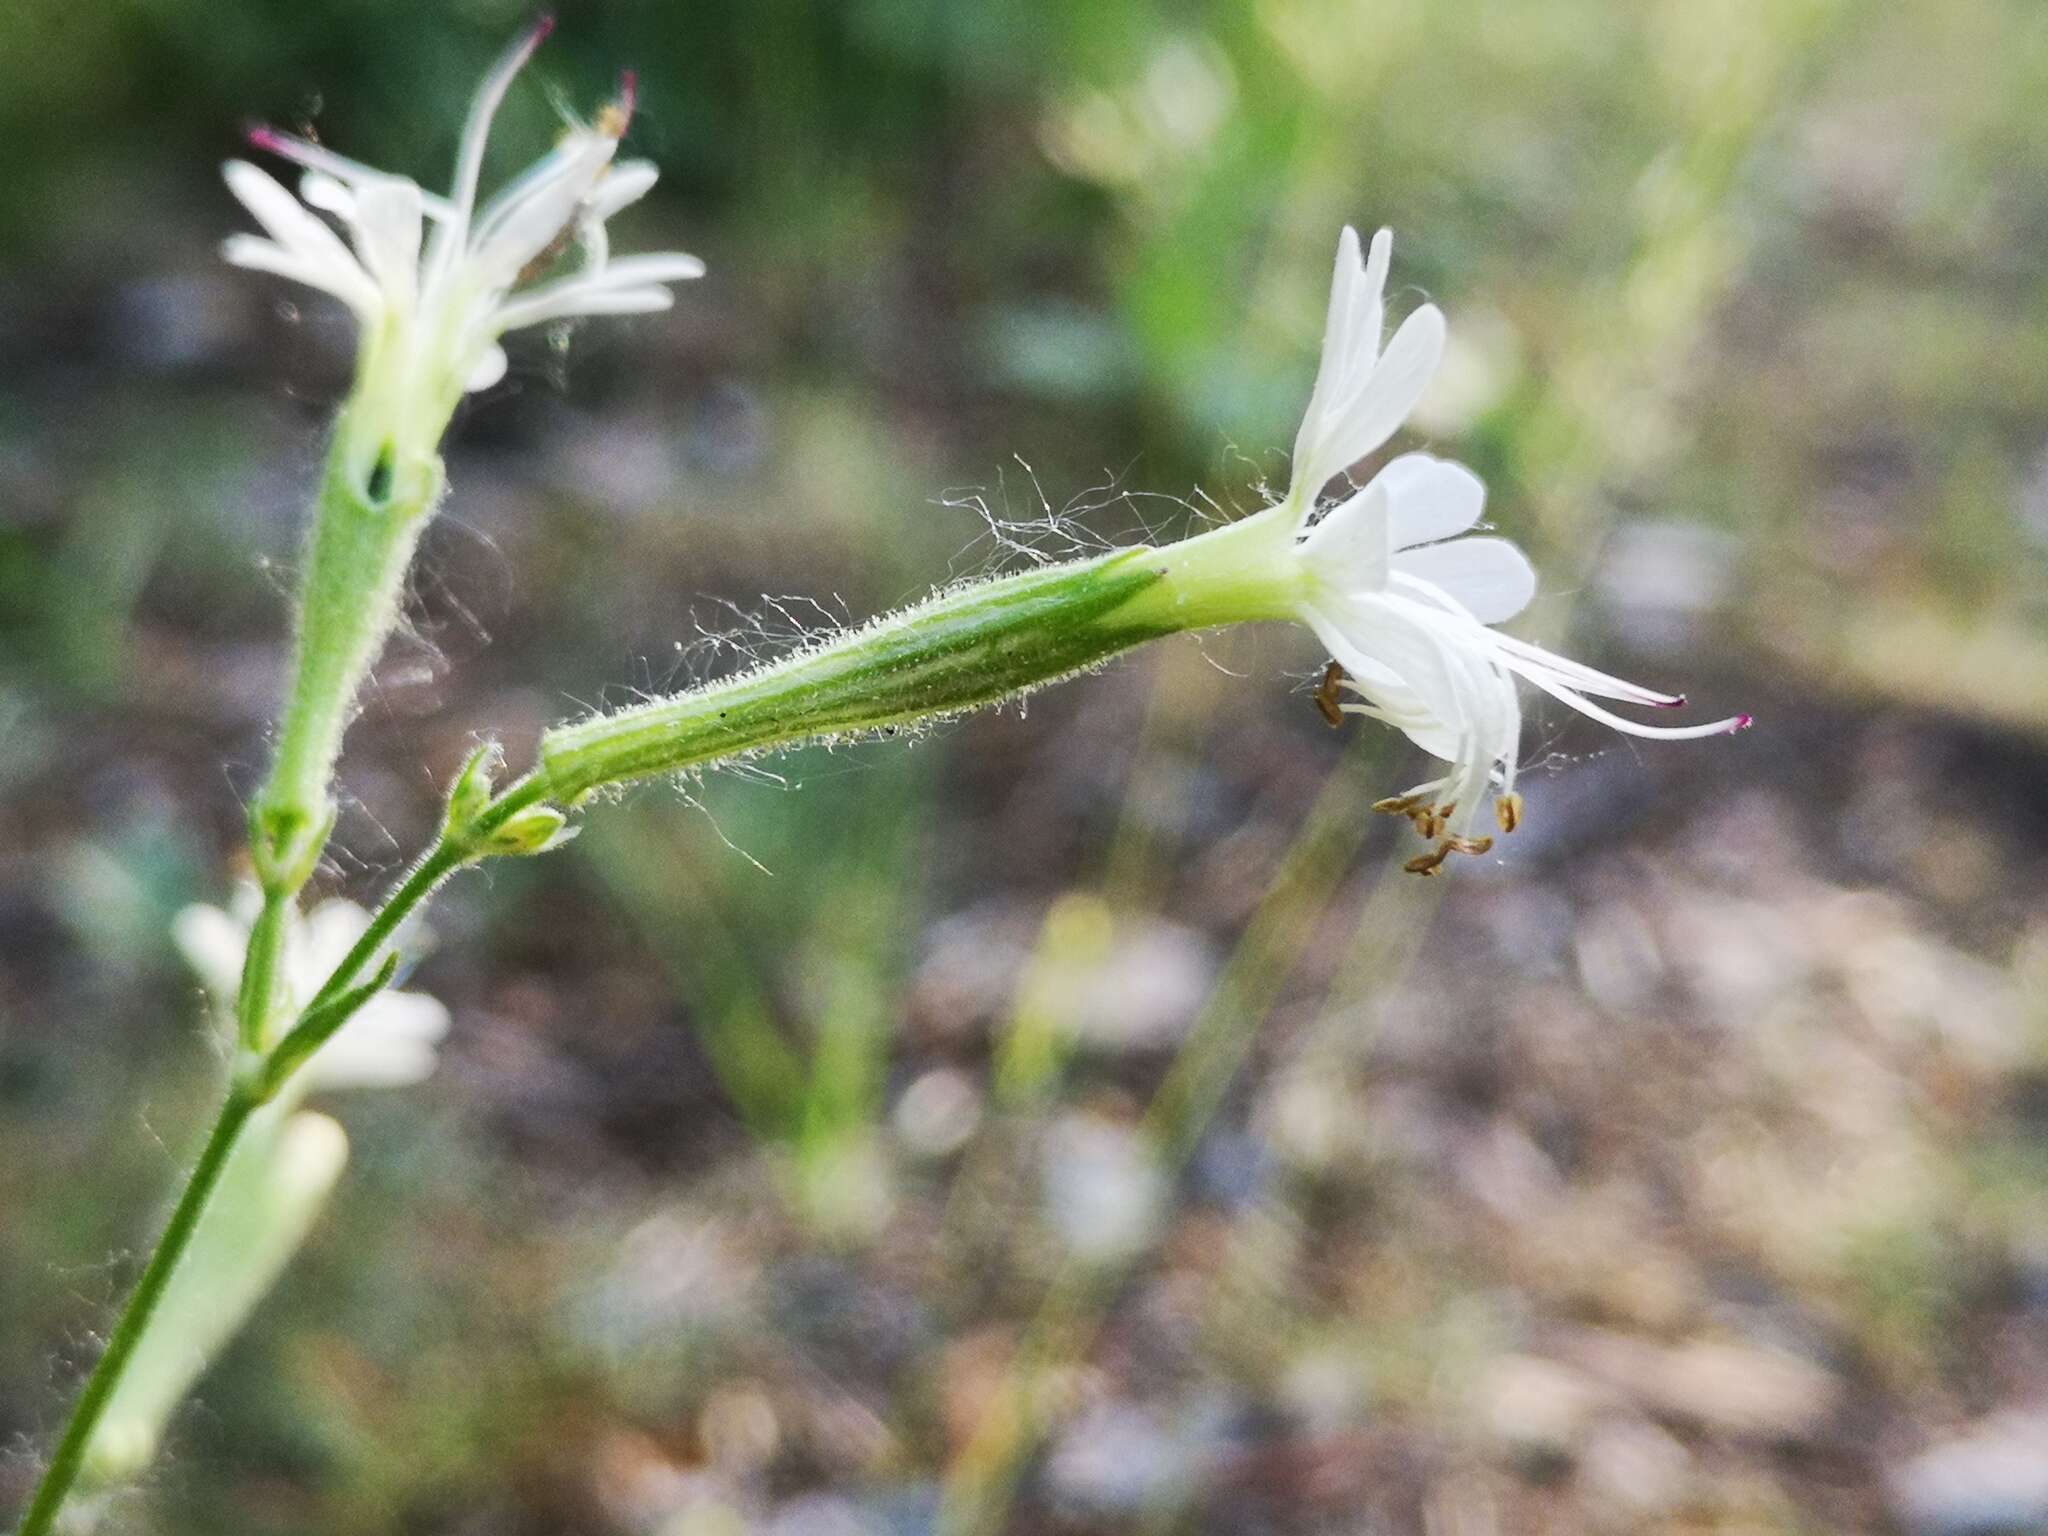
point(431, 304)
point(1402, 602)
point(390, 1042)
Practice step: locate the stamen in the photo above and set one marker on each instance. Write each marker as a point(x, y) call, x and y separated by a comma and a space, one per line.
point(1428, 863)
point(469, 158)
point(1400, 805)
point(616, 115)
point(350, 173)
point(1326, 700)
point(1507, 810)
point(1432, 862)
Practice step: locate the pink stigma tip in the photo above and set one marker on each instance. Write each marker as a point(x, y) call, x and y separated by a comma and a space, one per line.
point(543, 24)
point(629, 89)
point(1742, 723)
point(1676, 701)
point(263, 136)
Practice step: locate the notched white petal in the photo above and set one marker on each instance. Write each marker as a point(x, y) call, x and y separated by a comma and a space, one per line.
point(1490, 578)
point(1398, 378)
point(1430, 498)
point(288, 222)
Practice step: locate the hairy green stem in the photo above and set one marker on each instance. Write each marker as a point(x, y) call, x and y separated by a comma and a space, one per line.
point(256, 1002)
point(69, 1456)
point(248, 1092)
point(363, 537)
point(958, 650)
point(362, 542)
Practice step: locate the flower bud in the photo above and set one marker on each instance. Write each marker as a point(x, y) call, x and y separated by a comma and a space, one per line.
point(473, 789)
point(534, 830)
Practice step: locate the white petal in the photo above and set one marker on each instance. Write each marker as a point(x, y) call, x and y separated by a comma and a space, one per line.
point(1367, 419)
point(387, 222)
point(489, 368)
point(319, 190)
point(560, 301)
point(1351, 340)
point(1348, 550)
point(622, 301)
point(626, 183)
point(451, 234)
point(213, 944)
point(1429, 498)
point(257, 254)
point(1489, 577)
point(1376, 641)
point(390, 1043)
point(654, 267)
point(287, 221)
point(330, 931)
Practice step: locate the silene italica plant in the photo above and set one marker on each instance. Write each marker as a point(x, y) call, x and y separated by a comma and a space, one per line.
point(1388, 576)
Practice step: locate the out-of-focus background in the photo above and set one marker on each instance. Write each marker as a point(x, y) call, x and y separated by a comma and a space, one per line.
point(1679, 1168)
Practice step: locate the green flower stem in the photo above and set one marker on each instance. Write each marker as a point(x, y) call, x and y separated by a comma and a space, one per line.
point(256, 1004)
point(70, 1454)
point(963, 648)
point(363, 538)
point(251, 1089)
point(364, 532)
point(420, 882)
point(967, 647)
point(447, 855)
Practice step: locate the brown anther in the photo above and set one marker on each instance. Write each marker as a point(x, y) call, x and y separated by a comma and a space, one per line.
point(1473, 845)
point(1400, 805)
point(1428, 863)
point(1326, 699)
point(1427, 824)
point(1507, 810)
point(551, 253)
